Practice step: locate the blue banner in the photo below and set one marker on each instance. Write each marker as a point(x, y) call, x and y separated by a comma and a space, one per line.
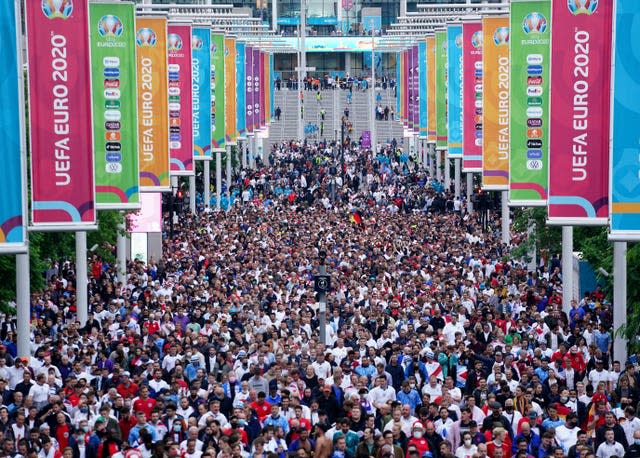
point(241, 109)
point(454, 91)
point(398, 85)
point(625, 151)
point(272, 84)
point(201, 91)
point(12, 223)
point(422, 88)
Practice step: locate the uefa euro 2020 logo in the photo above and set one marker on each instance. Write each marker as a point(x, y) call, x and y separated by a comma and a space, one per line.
point(459, 41)
point(476, 39)
point(534, 23)
point(174, 41)
point(501, 36)
point(110, 26)
point(146, 38)
point(57, 9)
point(196, 42)
point(587, 7)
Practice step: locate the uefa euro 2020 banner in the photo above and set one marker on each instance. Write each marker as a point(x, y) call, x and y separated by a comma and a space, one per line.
point(580, 105)
point(201, 92)
point(230, 125)
point(431, 89)
point(241, 111)
point(454, 91)
point(255, 64)
point(472, 92)
point(62, 171)
point(180, 111)
point(422, 91)
point(625, 151)
point(12, 217)
point(529, 119)
point(115, 105)
point(217, 92)
point(153, 99)
point(441, 89)
point(494, 106)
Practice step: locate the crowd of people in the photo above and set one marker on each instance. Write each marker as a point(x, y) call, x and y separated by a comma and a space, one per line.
point(437, 344)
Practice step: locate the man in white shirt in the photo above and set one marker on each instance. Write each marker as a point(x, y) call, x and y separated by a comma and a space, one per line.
point(610, 447)
point(381, 394)
point(567, 434)
point(433, 388)
point(321, 367)
point(630, 423)
point(599, 374)
point(451, 328)
point(407, 420)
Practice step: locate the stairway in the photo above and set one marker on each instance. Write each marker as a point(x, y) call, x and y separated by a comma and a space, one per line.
point(334, 103)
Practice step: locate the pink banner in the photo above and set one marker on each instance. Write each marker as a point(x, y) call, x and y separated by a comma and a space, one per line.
point(149, 217)
point(180, 110)
point(579, 135)
point(264, 87)
point(471, 91)
point(249, 89)
point(62, 183)
point(405, 89)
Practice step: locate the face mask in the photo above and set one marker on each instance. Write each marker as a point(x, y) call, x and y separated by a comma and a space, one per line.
point(85, 429)
point(412, 385)
point(563, 399)
point(467, 442)
point(572, 399)
point(509, 409)
point(177, 427)
point(84, 410)
point(637, 441)
point(417, 434)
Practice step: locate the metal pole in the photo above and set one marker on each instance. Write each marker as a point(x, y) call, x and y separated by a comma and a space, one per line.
point(447, 172)
point(438, 164)
point(302, 65)
point(121, 250)
point(207, 184)
point(82, 305)
point(274, 15)
point(567, 268)
point(372, 113)
point(457, 183)
point(23, 308)
point(506, 234)
point(192, 194)
point(619, 298)
point(431, 159)
point(322, 311)
point(229, 175)
point(243, 159)
point(469, 192)
point(218, 178)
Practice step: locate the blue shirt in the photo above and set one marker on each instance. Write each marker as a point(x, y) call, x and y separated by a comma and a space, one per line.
point(134, 434)
point(602, 340)
point(412, 398)
point(279, 421)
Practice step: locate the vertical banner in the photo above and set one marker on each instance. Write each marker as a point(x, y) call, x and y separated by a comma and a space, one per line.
point(230, 109)
point(579, 127)
point(431, 89)
point(248, 71)
point(12, 217)
point(149, 217)
point(454, 91)
point(625, 148)
point(529, 119)
point(398, 85)
point(60, 127)
point(494, 106)
point(415, 87)
point(217, 91)
point(441, 89)
point(272, 79)
point(180, 112)
point(153, 100)
point(472, 93)
point(422, 88)
point(255, 64)
point(263, 91)
point(241, 104)
point(115, 104)
point(201, 91)
point(405, 88)
point(410, 94)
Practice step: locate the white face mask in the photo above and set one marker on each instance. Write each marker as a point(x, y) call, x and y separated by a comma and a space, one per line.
point(417, 434)
point(467, 442)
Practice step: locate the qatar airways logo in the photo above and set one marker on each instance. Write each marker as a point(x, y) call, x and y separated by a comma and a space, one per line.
point(587, 7)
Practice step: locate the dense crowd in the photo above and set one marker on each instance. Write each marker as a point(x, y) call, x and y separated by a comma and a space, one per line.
point(438, 343)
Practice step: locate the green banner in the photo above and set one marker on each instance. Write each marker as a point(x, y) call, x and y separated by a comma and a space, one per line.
point(529, 119)
point(217, 92)
point(114, 99)
point(441, 89)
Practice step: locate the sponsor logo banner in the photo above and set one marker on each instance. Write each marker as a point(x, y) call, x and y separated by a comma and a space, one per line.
point(530, 70)
point(201, 91)
point(454, 91)
point(441, 89)
point(180, 78)
point(240, 89)
point(472, 44)
point(113, 55)
point(217, 92)
point(431, 89)
point(230, 82)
